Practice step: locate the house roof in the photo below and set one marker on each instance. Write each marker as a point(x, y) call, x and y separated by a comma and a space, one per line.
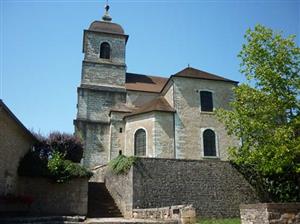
point(198, 74)
point(144, 83)
point(158, 104)
point(19, 123)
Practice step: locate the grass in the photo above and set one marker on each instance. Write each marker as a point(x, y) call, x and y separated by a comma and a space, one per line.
point(219, 221)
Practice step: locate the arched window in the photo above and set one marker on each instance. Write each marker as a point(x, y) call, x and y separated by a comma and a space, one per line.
point(206, 101)
point(105, 50)
point(209, 143)
point(140, 143)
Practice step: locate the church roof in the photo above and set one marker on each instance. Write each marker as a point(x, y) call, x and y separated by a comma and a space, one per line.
point(198, 74)
point(106, 27)
point(144, 83)
point(155, 84)
point(158, 104)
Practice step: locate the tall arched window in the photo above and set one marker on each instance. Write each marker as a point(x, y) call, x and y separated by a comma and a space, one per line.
point(140, 143)
point(105, 50)
point(209, 143)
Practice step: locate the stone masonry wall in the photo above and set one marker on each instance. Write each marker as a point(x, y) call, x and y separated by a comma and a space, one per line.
point(164, 135)
point(145, 121)
point(96, 143)
point(95, 105)
point(190, 121)
point(56, 199)
point(169, 95)
point(120, 188)
point(103, 74)
point(137, 98)
point(117, 132)
point(93, 41)
point(14, 143)
point(214, 188)
point(270, 213)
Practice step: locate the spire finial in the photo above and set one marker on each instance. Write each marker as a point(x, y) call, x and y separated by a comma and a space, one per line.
point(106, 17)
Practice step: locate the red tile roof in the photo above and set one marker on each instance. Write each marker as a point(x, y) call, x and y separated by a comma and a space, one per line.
point(158, 104)
point(145, 83)
point(198, 74)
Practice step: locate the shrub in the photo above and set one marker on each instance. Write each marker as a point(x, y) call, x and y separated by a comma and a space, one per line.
point(122, 164)
point(33, 164)
point(55, 157)
point(62, 170)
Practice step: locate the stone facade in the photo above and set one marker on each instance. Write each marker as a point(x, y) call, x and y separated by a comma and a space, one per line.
point(113, 105)
point(270, 213)
point(214, 188)
point(146, 122)
point(55, 199)
point(190, 121)
point(137, 98)
point(15, 142)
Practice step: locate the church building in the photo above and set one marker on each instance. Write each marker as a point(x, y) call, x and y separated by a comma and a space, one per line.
point(143, 115)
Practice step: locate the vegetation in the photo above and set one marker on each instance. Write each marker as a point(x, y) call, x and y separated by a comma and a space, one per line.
point(122, 164)
point(219, 221)
point(266, 115)
point(61, 169)
point(55, 157)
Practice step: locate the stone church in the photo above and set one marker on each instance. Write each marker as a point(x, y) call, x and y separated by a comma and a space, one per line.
point(143, 115)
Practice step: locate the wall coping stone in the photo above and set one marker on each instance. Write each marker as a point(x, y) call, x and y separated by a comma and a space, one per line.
point(210, 160)
point(291, 205)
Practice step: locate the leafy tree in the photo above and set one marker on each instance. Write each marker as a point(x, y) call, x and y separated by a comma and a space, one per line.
point(266, 113)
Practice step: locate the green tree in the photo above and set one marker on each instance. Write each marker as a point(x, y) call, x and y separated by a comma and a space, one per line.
point(265, 114)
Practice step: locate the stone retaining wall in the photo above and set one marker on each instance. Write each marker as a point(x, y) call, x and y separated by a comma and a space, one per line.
point(55, 198)
point(213, 187)
point(182, 213)
point(120, 188)
point(275, 213)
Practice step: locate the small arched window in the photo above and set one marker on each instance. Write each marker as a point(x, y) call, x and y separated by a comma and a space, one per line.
point(209, 143)
point(105, 50)
point(140, 143)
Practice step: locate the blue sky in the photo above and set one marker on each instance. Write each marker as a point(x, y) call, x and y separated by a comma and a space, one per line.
point(41, 45)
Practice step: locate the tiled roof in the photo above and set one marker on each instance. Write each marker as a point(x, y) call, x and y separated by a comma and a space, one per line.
point(158, 104)
point(198, 74)
point(123, 108)
point(106, 27)
point(145, 83)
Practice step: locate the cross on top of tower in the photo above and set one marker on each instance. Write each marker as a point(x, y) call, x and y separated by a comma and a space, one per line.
point(106, 17)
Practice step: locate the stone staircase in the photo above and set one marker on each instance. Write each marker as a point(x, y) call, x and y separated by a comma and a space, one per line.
point(44, 220)
point(100, 202)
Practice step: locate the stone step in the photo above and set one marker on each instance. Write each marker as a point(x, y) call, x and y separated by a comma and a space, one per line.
point(128, 221)
point(100, 202)
point(43, 219)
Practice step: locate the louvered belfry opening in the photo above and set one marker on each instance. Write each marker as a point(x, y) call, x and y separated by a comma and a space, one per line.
point(105, 50)
point(206, 100)
point(140, 143)
point(209, 142)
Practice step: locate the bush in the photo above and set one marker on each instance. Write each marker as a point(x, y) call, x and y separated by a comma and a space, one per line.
point(122, 164)
point(55, 157)
point(62, 170)
point(283, 187)
point(33, 164)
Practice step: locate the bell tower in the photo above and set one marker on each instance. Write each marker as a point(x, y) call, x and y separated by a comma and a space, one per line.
point(102, 86)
